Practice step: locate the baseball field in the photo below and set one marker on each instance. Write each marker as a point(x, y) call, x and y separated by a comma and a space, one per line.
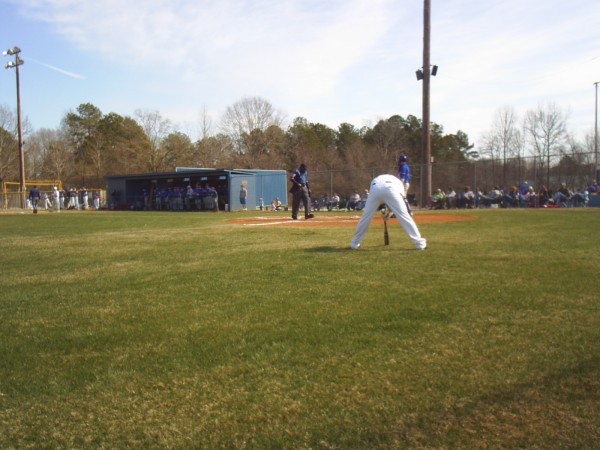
point(249, 331)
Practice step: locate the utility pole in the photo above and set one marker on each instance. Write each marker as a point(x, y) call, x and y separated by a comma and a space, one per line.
point(15, 65)
point(596, 168)
point(426, 139)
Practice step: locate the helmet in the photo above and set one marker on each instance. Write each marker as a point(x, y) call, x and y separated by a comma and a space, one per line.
point(402, 158)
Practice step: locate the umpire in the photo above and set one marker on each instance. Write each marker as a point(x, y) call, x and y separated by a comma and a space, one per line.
point(300, 192)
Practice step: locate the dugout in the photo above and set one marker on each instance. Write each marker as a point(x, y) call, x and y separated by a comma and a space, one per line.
point(139, 191)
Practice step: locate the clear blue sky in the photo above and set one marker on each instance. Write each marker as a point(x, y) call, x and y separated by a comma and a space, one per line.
point(330, 61)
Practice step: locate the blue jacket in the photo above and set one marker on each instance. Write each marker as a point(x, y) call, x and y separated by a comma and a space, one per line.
point(299, 180)
point(404, 172)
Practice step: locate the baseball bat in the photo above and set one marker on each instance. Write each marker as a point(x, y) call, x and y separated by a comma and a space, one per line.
point(408, 206)
point(386, 237)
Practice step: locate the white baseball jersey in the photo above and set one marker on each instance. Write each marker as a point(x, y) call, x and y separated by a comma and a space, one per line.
point(387, 189)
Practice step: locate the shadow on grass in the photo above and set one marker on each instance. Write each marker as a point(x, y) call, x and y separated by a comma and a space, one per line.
point(328, 249)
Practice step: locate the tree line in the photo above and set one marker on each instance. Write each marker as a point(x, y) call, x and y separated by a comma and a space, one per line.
point(541, 135)
point(90, 144)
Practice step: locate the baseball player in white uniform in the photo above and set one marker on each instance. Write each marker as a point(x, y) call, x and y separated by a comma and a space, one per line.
point(387, 189)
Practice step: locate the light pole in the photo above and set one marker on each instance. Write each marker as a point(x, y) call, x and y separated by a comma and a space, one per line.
point(424, 74)
point(473, 155)
point(597, 169)
point(15, 64)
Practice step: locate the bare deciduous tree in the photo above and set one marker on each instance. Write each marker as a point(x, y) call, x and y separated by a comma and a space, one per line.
point(502, 142)
point(156, 129)
point(9, 156)
point(38, 145)
point(213, 151)
point(58, 160)
point(205, 124)
point(546, 129)
point(247, 115)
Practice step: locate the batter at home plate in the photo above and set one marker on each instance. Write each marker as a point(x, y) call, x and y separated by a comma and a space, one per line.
point(388, 190)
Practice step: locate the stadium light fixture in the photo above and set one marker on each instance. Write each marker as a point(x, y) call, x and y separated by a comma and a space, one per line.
point(15, 65)
point(420, 75)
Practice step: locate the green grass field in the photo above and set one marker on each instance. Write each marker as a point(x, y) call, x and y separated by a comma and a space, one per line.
point(163, 330)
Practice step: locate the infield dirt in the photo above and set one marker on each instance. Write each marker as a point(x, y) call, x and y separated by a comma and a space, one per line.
point(344, 220)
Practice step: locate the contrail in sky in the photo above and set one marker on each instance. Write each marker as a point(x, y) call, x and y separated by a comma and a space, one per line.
point(57, 69)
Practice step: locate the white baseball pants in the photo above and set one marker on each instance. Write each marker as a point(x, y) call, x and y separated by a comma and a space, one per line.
point(389, 190)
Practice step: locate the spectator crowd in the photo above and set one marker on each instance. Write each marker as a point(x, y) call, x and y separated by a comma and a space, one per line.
point(205, 198)
point(524, 196)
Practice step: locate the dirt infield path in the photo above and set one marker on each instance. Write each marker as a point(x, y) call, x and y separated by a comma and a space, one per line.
point(343, 220)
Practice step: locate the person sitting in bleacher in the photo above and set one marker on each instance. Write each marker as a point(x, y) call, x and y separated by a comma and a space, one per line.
point(353, 201)
point(334, 201)
point(465, 199)
point(510, 198)
point(481, 198)
point(562, 196)
point(529, 199)
point(581, 197)
point(438, 199)
point(543, 197)
point(450, 198)
point(363, 200)
point(495, 196)
point(323, 202)
point(278, 205)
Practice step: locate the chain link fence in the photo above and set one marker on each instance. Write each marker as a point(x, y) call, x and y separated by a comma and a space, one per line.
point(17, 200)
point(576, 171)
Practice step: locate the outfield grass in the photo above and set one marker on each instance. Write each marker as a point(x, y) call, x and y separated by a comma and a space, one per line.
point(163, 330)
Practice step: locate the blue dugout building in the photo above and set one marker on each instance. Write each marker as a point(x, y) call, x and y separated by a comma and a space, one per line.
point(139, 191)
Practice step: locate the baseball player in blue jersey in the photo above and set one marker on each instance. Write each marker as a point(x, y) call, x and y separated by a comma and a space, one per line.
point(388, 190)
point(404, 175)
point(404, 171)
